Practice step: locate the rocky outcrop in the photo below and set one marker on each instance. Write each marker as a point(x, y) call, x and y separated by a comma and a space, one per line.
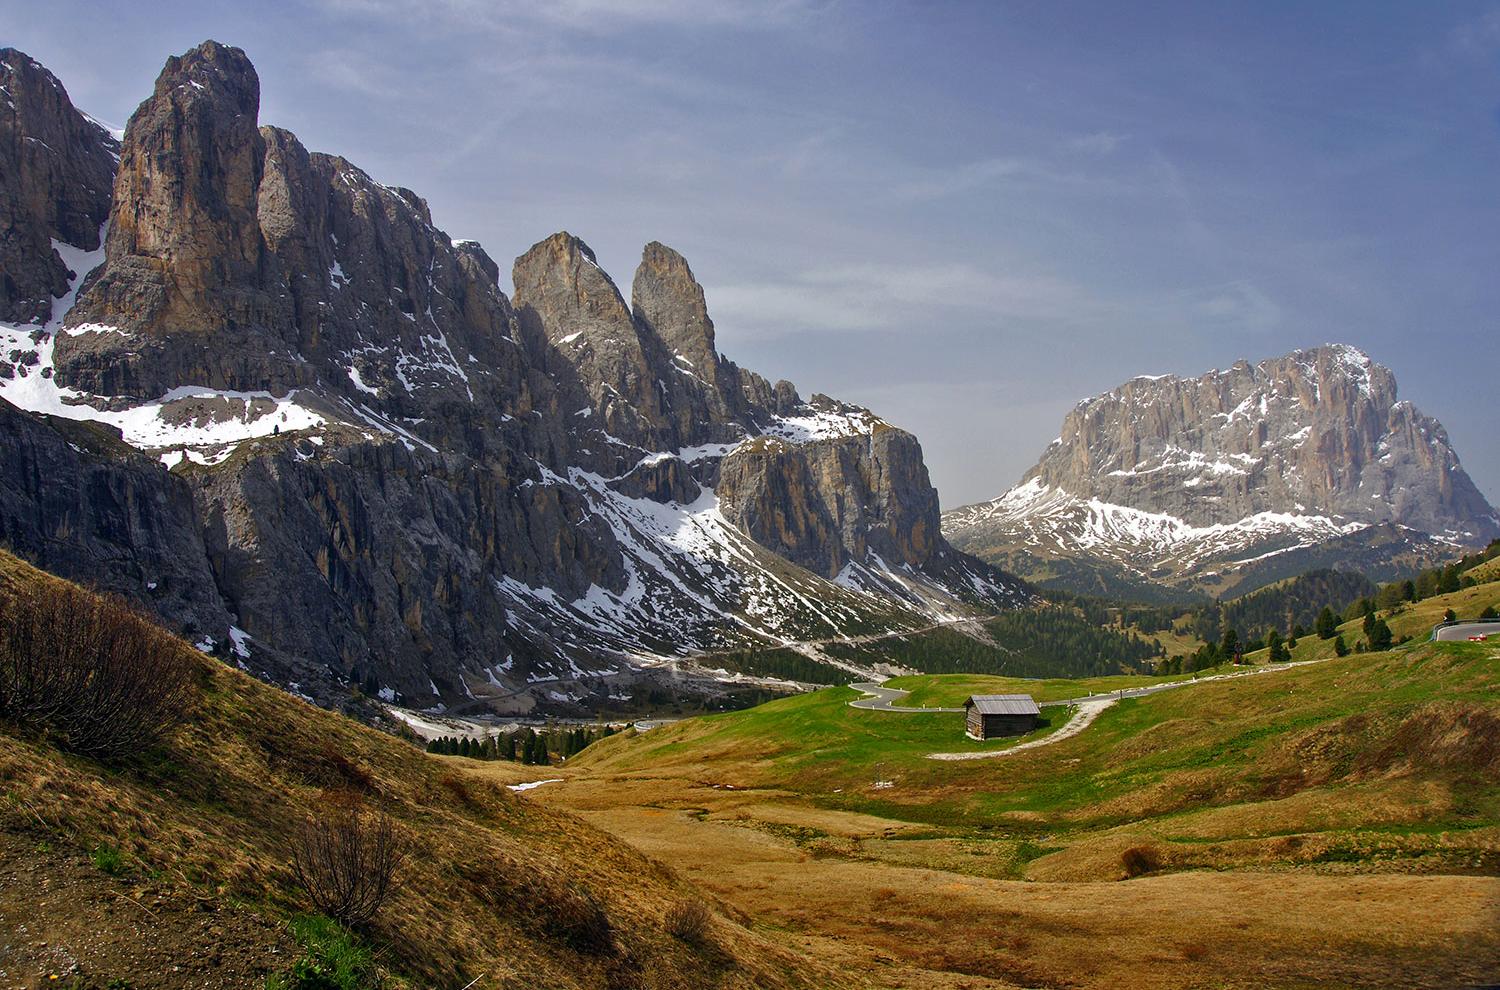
point(184, 253)
point(1193, 481)
point(382, 473)
point(667, 298)
point(56, 170)
point(825, 503)
point(80, 503)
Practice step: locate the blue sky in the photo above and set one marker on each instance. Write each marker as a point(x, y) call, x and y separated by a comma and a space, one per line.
point(966, 216)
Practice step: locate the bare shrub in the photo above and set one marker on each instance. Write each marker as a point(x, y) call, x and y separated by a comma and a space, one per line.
point(1139, 860)
point(689, 921)
point(89, 669)
point(345, 858)
point(580, 921)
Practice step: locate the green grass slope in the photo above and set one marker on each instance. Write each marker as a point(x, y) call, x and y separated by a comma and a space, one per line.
point(1388, 761)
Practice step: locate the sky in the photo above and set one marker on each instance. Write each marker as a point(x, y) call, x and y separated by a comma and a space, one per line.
point(966, 216)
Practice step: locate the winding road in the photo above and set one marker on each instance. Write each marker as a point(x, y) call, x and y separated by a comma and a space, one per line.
point(1463, 630)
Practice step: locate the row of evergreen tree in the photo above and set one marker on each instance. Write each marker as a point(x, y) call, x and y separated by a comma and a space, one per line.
point(524, 746)
point(1059, 641)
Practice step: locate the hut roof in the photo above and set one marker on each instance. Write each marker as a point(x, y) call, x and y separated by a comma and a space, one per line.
point(1003, 704)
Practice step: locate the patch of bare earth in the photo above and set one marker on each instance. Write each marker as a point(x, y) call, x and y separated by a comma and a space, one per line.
point(64, 922)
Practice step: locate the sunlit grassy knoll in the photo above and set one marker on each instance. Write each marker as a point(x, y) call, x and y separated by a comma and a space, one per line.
point(1413, 619)
point(814, 742)
point(1326, 825)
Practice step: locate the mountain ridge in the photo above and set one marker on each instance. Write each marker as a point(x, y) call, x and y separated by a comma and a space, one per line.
point(1197, 483)
point(398, 477)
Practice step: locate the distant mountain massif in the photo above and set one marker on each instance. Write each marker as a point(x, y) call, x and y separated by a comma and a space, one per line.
point(258, 392)
point(1174, 488)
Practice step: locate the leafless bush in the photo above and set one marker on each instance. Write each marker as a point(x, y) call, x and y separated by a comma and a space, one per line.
point(689, 921)
point(345, 857)
point(90, 669)
point(1140, 860)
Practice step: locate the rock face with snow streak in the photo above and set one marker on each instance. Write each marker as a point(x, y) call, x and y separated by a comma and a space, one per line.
point(1204, 483)
point(56, 170)
point(345, 457)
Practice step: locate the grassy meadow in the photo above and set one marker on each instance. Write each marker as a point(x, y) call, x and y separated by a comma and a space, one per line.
point(1334, 824)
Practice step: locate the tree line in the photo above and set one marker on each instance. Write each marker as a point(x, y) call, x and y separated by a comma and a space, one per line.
point(1046, 642)
point(523, 746)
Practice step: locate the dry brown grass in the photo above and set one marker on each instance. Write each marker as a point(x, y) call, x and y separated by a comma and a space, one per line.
point(937, 928)
point(215, 812)
point(1285, 831)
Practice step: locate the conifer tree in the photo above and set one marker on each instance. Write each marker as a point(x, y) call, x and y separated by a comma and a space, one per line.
point(1340, 648)
point(1327, 623)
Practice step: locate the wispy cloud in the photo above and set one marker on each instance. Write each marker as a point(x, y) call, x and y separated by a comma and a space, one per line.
point(352, 71)
point(1241, 306)
point(1477, 38)
point(883, 296)
point(1099, 143)
point(940, 183)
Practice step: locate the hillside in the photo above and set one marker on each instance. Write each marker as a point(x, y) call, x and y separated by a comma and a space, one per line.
point(1166, 488)
point(173, 869)
point(1332, 824)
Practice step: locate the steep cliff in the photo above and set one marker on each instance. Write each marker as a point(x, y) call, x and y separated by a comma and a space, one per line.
point(382, 472)
point(56, 171)
point(1234, 479)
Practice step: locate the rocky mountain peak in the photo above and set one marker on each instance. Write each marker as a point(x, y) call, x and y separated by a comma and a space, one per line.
point(562, 282)
point(217, 73)
point(56, 172)
point(667, 298)
point(184, 250)
point(1315, 429)
point(1179, 475)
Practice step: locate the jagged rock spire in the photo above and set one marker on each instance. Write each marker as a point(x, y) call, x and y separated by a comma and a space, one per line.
point(667, 298)
point(184, 251)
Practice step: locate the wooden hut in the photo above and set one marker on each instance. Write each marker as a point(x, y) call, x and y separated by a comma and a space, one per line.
point(987, 716)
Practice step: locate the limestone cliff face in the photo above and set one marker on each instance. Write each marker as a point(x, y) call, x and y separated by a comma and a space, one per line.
point(378, 471)
point(824, 503)
point(56, 170)
point(81, 504)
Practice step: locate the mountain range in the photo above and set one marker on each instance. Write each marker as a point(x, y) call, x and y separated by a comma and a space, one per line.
point(259, 393)
point(1171, 487)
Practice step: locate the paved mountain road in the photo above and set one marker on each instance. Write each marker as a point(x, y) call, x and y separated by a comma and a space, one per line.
point(1463, 630)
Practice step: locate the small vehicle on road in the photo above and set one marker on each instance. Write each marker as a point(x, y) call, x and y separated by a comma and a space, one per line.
point(1481, 638)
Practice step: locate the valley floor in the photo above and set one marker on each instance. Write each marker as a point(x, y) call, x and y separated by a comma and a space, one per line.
point(1256, 832)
